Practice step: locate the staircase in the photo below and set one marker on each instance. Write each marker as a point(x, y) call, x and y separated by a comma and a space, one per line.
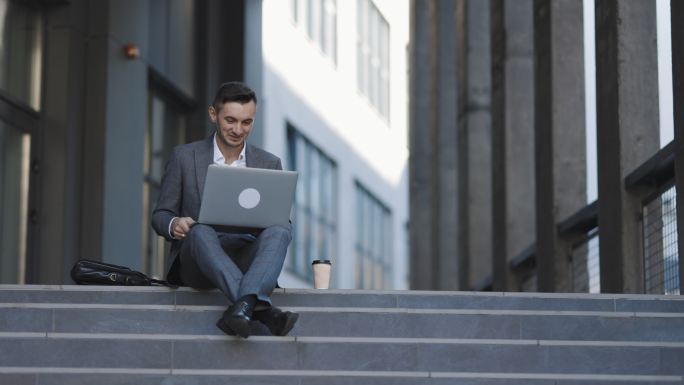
point(94, 335)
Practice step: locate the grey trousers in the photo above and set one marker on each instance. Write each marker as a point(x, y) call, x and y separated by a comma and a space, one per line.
point(236, 264)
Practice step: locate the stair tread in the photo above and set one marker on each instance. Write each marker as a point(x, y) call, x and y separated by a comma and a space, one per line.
point(387, 337)
point(353, 356)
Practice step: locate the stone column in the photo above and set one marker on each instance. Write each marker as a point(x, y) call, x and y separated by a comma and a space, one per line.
point(677, 14)
point(421, 143)
point(477, 141)
point(559, 133)
point(512, 135)
point(446, 95)
point(434, 186)
point(627, 132)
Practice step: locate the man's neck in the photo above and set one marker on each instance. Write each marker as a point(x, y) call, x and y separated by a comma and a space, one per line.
point(230, 154)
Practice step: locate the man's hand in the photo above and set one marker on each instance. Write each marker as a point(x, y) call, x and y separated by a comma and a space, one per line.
point(181, 227)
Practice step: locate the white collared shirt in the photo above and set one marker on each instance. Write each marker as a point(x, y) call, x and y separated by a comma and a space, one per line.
point(221, 161)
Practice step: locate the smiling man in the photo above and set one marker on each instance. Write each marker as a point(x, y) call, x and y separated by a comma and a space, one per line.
point(245, 267)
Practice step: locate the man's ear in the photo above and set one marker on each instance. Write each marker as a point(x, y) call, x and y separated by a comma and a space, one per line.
point(212, 114)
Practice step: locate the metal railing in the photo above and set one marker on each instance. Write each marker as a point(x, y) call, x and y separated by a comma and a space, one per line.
point(661, 259)
point(585, 267)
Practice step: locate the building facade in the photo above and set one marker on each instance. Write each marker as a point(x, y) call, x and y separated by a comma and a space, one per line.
point(551, 150)
point(95, 94)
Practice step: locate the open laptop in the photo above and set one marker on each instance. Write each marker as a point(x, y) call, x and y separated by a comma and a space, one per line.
point(237, 198)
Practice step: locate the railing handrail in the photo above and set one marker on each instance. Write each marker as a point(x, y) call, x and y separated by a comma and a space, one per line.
point(657, 170)
point(527, 257)
point(582, 221)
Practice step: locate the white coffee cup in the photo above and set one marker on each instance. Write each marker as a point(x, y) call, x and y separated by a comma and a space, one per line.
point(321, 270)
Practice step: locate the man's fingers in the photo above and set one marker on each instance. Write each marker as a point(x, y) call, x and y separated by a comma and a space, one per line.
point(181, 227)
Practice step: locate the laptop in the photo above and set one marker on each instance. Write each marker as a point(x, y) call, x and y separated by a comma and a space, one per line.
point(237, 198)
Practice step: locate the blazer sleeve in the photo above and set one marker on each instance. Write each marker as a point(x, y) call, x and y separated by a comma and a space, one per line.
point(170, 196)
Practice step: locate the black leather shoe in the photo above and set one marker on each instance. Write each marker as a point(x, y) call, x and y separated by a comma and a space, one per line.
point(236, 319)
point(279, 323)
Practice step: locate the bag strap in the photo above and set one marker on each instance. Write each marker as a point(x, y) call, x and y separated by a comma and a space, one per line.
point(163, 283)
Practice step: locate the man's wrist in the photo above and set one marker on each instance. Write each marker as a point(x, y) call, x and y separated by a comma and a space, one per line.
point(171, 227)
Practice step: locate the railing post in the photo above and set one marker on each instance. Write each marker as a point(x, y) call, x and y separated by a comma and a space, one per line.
point(627, 132)
point(512, 135)
point(559, 132)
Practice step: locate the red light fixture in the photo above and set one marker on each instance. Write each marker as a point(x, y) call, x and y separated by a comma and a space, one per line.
point(131, 52)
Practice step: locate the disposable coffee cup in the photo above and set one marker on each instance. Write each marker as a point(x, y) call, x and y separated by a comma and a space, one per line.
point(321, 270)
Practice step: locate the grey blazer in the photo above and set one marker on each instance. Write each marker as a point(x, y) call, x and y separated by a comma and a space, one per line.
point(182, 186)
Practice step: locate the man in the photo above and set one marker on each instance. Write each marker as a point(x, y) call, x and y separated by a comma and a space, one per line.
point(244, 267)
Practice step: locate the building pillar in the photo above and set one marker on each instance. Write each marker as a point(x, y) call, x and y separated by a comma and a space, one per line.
point(422, 119)
point(677, 14)
point(446, 218)
point(433, 163)
point(559, 133)
point(627, 132)
point(476, 218)
point(512, 135)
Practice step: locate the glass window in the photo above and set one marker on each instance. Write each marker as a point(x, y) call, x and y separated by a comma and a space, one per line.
point(372, 47)
point(165, 130)
point(14, 181)
point(21, 52)
point(373, 242)
point(319, 19)
point(314, 219)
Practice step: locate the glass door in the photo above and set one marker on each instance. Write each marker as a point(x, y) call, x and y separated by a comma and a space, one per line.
point(14, 183)
point(165, 130)
point(21, 57)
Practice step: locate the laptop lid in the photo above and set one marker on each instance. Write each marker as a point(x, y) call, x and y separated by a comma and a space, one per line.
point(247, 197)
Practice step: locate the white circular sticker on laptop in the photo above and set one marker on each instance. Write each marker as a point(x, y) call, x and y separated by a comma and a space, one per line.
point(249, 198)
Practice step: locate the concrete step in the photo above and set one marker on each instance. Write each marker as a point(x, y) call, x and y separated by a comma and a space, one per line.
point(347, 298)
point(352, 322)
point(267, 377)
point(339, 354)
point(153, 335)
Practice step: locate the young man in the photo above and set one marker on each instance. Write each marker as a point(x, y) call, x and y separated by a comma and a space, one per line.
point(244, 267)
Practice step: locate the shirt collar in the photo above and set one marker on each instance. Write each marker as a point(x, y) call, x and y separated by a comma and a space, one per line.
point(218, 155)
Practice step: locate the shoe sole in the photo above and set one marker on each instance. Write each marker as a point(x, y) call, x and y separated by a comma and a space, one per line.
point(289, 323)
point(234, 326)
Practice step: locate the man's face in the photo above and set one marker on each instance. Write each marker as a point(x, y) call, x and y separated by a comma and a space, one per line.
point(235, 121)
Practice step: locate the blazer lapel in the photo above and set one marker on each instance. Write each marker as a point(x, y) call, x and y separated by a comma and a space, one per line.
point(203, 158)
point(253, 158)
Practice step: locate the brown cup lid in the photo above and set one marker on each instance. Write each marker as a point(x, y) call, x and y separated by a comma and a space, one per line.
point(323, 261)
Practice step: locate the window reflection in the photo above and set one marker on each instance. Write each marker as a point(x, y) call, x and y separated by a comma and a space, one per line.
point(372, 55)
point(373, 242)
point(165, 130)
point(314, 219)
point(14, 176)
point(21, 53)
point(319, 19)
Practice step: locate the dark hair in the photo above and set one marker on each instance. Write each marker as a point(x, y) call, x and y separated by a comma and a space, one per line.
point(233, 92)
